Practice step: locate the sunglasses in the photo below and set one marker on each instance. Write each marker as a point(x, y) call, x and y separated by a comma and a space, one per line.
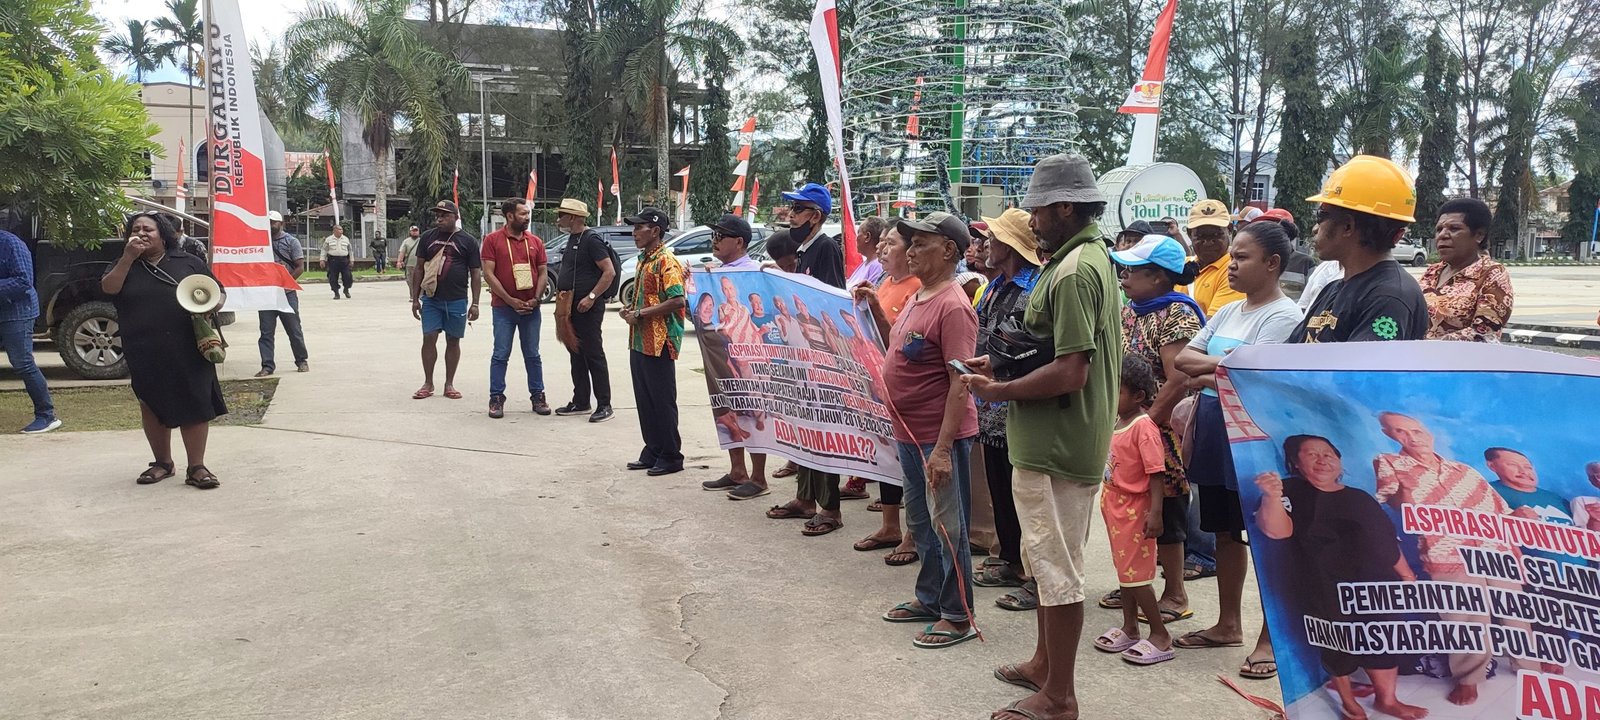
point(797, 207)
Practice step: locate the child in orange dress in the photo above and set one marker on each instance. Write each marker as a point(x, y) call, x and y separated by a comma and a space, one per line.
point(1131, 506)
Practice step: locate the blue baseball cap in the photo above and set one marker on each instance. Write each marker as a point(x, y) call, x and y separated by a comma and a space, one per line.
point(812, 193)
point(1158, 250)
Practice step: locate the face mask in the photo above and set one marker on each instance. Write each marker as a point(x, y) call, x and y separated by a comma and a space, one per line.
point(801, 232)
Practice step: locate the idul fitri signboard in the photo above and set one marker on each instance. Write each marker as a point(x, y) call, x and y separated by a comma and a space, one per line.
point(1149, 193)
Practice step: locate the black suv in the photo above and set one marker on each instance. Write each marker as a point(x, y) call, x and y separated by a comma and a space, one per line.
point(620, 237)
point(75, 314)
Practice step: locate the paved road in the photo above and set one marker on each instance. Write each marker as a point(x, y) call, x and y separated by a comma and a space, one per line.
point(1566, 295)
point(371, 556)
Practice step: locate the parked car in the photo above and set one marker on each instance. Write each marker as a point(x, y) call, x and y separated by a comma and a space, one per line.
point(620, 237)
point(693, 249)
point(1408, 253)
point(74, 313)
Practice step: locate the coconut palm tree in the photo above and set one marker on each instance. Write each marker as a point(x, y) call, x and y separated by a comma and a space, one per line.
point(185, 31)
point(648, 47)
point(367, 62)
point(138, 48)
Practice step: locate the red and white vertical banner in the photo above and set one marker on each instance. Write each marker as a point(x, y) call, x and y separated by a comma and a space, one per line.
point(180, 193)
point(755, 197)
point(616, 184)
point(742, 170)
point(907, 197)
point(683, 198)
point(455, 197)
point(241, 238)
point(333, 194)
point(533, 185)
point(1144, 100)
point(600, 200)
point(824, 34)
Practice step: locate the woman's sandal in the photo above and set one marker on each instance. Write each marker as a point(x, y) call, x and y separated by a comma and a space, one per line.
point(200, 477)
point(157, 472)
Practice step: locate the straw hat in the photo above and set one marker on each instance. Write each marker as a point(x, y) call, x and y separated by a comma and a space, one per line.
point(1012, 229)
point(570, 206)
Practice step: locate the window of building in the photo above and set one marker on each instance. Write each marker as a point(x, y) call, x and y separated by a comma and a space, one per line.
point(1258, 191)
point(468, 122)
point(497, 125)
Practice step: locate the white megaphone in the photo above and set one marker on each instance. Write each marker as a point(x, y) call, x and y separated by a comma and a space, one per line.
point(199, 294)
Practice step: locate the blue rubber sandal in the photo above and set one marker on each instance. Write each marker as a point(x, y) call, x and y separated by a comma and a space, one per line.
point(955, 637)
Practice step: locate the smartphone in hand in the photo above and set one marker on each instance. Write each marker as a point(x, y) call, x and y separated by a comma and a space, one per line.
point(961, 367)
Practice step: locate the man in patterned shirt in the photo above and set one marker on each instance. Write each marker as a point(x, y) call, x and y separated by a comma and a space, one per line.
point(1417, 475)
point(655, 333)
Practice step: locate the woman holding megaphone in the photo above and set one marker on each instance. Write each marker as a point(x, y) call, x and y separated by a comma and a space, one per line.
point(166, 347)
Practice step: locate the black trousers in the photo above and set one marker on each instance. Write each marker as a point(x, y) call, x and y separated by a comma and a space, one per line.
point(339, 269)
point(589, 370)
point(655, 389)
point(997, 465)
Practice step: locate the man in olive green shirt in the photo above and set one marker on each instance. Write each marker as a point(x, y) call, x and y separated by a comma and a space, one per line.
point(1061, 417)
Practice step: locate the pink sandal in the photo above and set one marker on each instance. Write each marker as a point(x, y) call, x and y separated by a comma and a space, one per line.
point(1114, 641)
point(1145, 652)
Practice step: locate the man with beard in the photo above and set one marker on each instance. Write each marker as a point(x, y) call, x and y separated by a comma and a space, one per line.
point(514, 264)
point(1059, 423)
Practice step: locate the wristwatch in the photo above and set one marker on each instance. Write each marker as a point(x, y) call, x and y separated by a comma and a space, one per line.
point(591, 296)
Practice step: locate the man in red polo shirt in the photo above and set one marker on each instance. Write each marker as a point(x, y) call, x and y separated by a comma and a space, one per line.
point(514, 264)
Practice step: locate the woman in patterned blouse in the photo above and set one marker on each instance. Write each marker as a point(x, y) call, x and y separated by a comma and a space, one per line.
point(1469, 295)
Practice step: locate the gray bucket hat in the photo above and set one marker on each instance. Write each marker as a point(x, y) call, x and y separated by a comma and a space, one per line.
point(1062, 178)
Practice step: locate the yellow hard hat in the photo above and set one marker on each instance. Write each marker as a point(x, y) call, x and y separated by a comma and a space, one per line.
point(1371, 185)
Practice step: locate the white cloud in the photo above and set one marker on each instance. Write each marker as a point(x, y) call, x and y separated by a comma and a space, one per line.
point(264, 21)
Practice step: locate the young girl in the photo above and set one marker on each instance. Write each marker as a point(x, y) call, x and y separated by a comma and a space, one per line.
point(1131, 505)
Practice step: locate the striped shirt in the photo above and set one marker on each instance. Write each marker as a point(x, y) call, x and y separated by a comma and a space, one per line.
point(1403, 479)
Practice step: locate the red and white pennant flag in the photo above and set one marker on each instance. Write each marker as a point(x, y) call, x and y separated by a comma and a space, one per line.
point(742, 171)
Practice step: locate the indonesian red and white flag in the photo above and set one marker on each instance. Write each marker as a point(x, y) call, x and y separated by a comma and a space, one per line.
point(241, 238)
point(683, 197)
point(455, 196)
point(533, 185)
point(181, 192)
point(755, 196)
point(741, 172)
point(616, 184)
point(1145, 97)
point(333, 194)
point(824, 32)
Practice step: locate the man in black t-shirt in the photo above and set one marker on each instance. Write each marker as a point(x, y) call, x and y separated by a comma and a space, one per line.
point(439, 294)
point(586, 273)
point(1366, 205)
point(820, 255)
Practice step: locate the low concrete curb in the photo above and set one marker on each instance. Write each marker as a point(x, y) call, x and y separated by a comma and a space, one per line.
point(1551, 336)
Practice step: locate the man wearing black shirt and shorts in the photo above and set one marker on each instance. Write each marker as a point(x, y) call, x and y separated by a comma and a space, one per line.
point(443, 303)
point(586, 274)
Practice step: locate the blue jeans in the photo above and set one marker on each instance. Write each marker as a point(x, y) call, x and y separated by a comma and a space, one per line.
point(944, 579)
point(506, 323)
point(1201, 547)
point(17, 338)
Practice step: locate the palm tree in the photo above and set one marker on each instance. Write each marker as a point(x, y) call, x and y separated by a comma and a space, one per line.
point(138, 49)
point(185, 30)
point(648, 46)
point(367, 62)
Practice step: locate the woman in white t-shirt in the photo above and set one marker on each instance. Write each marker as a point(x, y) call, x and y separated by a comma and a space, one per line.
point(1260, 252)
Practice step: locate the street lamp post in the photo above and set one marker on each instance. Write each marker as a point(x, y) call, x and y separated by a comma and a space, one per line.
point(1237, 119)
point(483, 142)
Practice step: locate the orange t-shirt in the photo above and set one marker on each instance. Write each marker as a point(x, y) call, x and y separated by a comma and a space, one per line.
point(895, 295)
point(1136, 454)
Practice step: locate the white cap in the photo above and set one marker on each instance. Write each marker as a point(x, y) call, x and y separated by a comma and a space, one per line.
point(274, 216)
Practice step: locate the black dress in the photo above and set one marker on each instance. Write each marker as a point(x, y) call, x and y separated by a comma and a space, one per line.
point(169, 374)
point(1339, 537)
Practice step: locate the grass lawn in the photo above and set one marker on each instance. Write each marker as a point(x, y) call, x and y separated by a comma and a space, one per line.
point(115, 408)
point(315, 276)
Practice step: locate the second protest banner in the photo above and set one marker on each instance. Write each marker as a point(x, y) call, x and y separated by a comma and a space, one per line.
point(794, 369)
point(1423, 517)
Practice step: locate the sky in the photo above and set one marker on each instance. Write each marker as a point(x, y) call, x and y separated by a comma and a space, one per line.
point(264, 21)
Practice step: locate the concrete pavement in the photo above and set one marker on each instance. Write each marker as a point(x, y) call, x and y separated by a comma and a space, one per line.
point(372, 556)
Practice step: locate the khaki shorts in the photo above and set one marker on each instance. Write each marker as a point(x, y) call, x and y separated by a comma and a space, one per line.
point(1055, 515)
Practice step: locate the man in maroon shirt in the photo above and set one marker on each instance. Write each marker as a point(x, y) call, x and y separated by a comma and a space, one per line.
point(514, 264)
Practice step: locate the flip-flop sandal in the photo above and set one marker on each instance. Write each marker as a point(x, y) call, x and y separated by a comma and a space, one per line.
point(956, 638)
point(1168, 615)
point(1195, 572)
point(452, 393)
point(1009, 675)
point(899, 559)
point(820, 525)
point(918, 614)
point(1021, 599)
point(1146, 653)
point(787, 512)
point(422, 394)
point(1198, 641)
point(1249, 671)
point(786, 471)
point(1019, 712)
point(748, 491)
point(722, 483)
point(875, 506)
point(1114, 641)
point(871, 543)
point(997, 576)
point(1111, 600)
point(156, 473)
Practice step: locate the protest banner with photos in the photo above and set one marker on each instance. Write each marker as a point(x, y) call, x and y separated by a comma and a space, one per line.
point(1425, 522)
point(794, 369)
